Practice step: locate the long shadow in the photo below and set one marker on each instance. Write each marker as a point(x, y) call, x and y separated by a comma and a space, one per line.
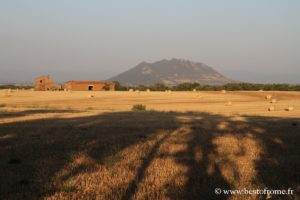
point(200, 183)
point(276, 167)
point(279, 166)
point(32, 152)
point(38, 111)
point(141, 171)
point(26, 147)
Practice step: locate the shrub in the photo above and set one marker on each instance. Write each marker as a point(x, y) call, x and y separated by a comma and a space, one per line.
point(138, 107)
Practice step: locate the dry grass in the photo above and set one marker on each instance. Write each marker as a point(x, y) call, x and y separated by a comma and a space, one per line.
point(273, 101)
point(268, 96)
point(169, 153)
point(290, 108)
point(272, 108)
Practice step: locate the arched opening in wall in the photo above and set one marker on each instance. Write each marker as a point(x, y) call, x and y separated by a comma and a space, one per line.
point(41, 81)
point(90, 87)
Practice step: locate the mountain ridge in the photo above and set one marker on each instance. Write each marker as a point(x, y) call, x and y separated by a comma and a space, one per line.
point(170, 72)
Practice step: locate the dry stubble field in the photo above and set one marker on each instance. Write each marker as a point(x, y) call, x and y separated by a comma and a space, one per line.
point(66, 145)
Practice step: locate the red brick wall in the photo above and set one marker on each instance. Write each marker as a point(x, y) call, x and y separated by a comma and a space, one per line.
point(84, 86)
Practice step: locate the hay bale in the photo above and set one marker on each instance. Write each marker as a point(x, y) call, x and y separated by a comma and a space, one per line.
point(7, 93)
point(228, 103)
point(289, 108)
point(148, 90)
point(268, 96)
point(131, 90)
point(260, 90)
point(194, 90)
point(272, 108)
point(91, 96)
point(273, 101)
point(223, 91)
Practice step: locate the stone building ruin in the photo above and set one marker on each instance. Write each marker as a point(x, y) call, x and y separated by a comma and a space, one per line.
point(46, 83)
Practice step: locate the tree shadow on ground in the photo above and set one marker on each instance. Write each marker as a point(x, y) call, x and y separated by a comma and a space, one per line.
point(6, 114)
point(33, 152)
point(276, 167)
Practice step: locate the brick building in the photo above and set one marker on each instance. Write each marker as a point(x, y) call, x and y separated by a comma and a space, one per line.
point(46, 83)
point(89, 86)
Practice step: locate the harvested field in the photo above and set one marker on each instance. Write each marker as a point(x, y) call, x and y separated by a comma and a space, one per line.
point(65, 145)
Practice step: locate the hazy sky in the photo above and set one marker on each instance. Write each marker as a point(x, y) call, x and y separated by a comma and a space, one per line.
point(254, 40)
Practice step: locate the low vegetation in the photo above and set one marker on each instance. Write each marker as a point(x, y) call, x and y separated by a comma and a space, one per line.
point(199, 87)
point(12, 86)
point(138, 107)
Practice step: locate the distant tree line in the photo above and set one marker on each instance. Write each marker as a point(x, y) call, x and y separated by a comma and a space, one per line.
point(193, 86)
point(11, 86)
point(197, 86)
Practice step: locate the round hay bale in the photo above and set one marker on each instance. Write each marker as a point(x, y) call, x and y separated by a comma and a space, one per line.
point(228, 103)
point(260, 90)
point(272, 108)
point(148, 90)
point(289, 108)
point(223, 91)
point(268, 96)
point(91, 96)
point(7, 93)
point(273, 101)
point(131, 90)
point(194, 90)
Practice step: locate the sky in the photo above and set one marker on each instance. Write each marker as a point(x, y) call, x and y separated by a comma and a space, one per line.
point(252, 41)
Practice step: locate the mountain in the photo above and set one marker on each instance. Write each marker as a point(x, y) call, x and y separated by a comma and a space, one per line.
point(170, 72)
